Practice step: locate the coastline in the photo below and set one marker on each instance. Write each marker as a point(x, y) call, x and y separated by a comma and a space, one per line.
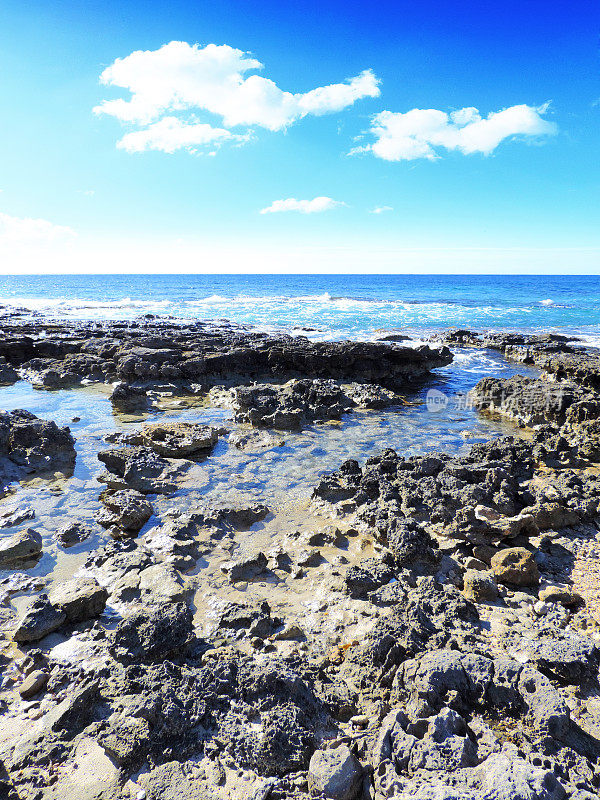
point(397, 631)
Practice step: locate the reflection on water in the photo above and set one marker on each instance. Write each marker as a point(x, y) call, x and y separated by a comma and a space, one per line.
point(277, 476)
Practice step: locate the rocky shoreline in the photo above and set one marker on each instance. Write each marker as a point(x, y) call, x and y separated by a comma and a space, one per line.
point(423, 627)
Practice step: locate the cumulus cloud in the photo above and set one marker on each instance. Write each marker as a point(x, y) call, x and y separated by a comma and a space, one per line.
point(24, 230)
point(313, 206)
point(185, 79)
point(170, 134)
point(425, 133)
point(381, 209)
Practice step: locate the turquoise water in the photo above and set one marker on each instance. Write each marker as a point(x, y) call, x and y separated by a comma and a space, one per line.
point(355, 306)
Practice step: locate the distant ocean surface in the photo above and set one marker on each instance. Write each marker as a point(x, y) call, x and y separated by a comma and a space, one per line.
point(335, 306)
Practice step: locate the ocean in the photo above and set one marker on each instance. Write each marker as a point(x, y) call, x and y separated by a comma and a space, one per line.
point(333, 306)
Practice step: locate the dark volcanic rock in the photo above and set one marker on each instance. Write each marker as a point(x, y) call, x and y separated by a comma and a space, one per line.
point(29, 444)
point(125, 509)
point(301, 402)
point(160, 350)
point(141, 469)
point(152, 634)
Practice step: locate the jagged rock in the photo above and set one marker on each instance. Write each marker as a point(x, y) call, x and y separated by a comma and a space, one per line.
point(567, 658)
point(151, 634)
point(38, 619)
point(21, 546)
point(141, 469)
point(246, 569)
point(172, 439)
point(335, 774)
point(29, 444)
point(79, 598)
point(303, 401)
point(479, 587)
point(15, 516)
point(73, 533)
point(516, 566)
point(126, 509)
point(8, 375)
point(129, 399)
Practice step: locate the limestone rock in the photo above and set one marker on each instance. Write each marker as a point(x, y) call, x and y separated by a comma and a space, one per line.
point(39, 619)
point(478, 586)
point(21, 546)
point(515, 566)
point(79, 598)
point(335, 774)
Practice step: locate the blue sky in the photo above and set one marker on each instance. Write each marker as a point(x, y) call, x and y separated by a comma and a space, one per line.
point(455, 199)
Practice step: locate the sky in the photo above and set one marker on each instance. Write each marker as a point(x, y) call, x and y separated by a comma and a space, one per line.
point(299, 137)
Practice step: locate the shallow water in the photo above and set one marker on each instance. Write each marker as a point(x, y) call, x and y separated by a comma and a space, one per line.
point(280, 477)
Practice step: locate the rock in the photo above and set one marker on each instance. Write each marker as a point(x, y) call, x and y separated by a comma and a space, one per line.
point(79, 598)
point(38, 619)
point(33, 683)
point(129, 399)
point(507, 776)
point(15, 516)
point(552, 593)
point(516, 566)
point(21, 546)
point(179, 439)
point(569, 658)
point(246, 569)
point(141, 469)
point(126, 509)
point(31, 445)
point(255, 440)
point(546, 706)
point(8, 375)
point(161, 584)
point(73, 533)
point(335, 774)
point(478, 586)
point(151, 634)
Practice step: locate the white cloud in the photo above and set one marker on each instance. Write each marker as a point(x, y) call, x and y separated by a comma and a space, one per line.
point(313, 206)
point(422, 133)
point(170, 134)
point(381, 209)
point(180, 78)
point(24, 230)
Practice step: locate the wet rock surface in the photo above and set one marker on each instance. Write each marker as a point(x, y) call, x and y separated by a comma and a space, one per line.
point(416, 630)
point(31, 445)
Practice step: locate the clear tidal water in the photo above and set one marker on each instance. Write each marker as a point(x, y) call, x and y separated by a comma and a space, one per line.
point(356, 307)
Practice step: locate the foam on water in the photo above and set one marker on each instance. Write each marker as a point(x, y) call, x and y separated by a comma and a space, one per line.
point(334, 306)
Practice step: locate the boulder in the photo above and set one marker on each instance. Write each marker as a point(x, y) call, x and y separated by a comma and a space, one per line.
point(152, 634)
point(79, 598)
point(39, 618)
point(21, 546)
point(33, 683)
point(335, 774)
point(478, 586)
point(515, 566)
point(179, 439)
point(126, 509)
point(246, 569)
point(128, 399)
point(508, 776)
point(73, 533)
